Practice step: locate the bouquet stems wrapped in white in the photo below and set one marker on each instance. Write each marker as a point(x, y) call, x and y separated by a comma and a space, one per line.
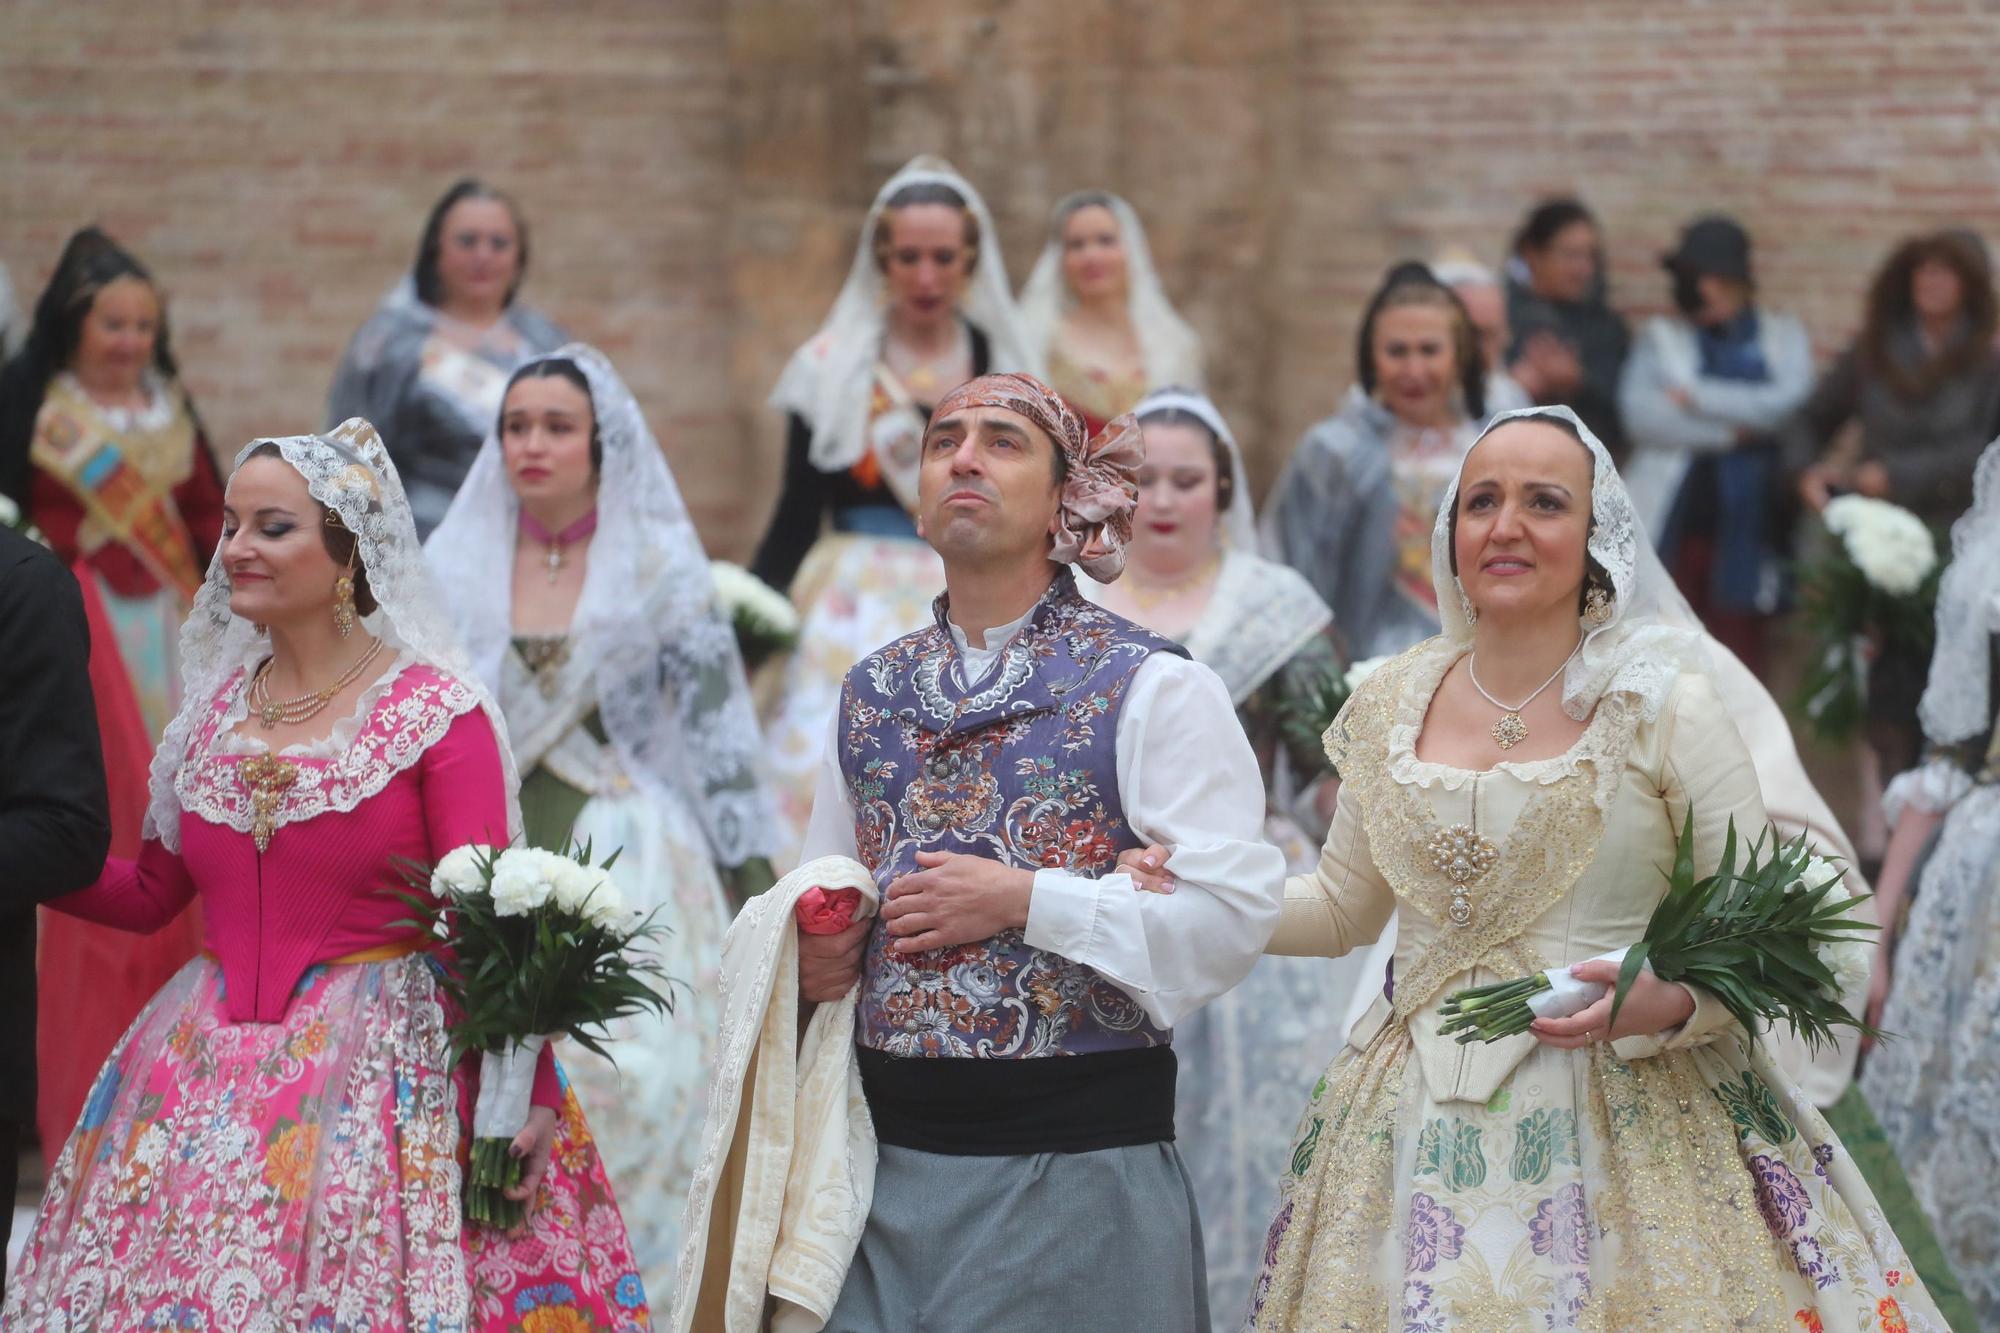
point(1774, 940)
point(541, 945)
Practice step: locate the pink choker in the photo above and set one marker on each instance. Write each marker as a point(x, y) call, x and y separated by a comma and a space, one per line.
point(557, 541)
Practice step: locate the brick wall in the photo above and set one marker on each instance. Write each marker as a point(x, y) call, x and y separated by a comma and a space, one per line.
point(694, 170)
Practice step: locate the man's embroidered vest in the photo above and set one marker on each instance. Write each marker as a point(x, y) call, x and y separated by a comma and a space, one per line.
point(1021, 768)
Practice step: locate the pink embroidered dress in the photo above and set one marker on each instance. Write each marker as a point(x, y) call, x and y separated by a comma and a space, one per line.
point(279, 1140)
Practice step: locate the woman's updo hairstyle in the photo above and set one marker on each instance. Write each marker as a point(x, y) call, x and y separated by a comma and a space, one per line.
point(926, 192)
point(1413, 284)
point(562, 368)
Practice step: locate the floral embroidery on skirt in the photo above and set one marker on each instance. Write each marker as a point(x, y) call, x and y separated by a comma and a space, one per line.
point(306, 1174)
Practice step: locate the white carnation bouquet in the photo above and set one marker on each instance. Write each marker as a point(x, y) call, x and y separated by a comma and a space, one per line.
point(764, 619)
point(1877, 584)
point(541, 944)
point(1774, 940)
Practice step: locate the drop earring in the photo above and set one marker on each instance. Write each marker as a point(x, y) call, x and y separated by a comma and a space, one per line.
point(1597, 605)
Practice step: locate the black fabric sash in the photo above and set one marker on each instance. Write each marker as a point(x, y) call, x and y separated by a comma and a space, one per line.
point(1010, 1108)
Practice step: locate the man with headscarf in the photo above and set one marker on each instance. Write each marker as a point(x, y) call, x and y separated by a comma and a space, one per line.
point(1018, 994)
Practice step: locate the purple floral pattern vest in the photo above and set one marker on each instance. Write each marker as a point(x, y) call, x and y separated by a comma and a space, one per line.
point(1019, 767)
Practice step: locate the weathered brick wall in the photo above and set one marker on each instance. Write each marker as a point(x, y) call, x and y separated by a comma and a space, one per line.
point(694, 170)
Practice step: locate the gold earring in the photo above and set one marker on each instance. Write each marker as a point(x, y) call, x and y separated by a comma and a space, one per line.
point(343, 601)
point(1465, 605)
point(1597, 605)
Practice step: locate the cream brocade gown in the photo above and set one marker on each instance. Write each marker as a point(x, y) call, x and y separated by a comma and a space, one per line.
point(1670, 1182)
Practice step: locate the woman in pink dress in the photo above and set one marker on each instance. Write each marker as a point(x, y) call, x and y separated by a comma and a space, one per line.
point(279, 1140)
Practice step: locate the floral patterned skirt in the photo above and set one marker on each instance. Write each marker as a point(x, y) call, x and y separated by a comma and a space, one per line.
point(854, 594)
point(307, 1174)
point(1692, 1190)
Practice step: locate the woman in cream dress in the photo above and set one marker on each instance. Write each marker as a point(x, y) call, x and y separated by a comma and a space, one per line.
point(1656, 1174)
point(1095, 313)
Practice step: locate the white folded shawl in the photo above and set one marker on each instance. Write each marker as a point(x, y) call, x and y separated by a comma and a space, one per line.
point(787, 1167)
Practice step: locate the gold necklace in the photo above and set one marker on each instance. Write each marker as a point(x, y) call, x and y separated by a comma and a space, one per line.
point(1510, 730)
point(1146, 598)
point(274, 712)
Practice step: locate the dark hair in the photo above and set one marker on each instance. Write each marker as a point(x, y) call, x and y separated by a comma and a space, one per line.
point(1890, 307)
point(1225, 475)
point(1413, 284)
point(424, 273)
point(926, 192)
point(334, 535)
point(90, 262)
point(1079, 201)
point(561, 368)
point(1594, 575)
point(1549, 219)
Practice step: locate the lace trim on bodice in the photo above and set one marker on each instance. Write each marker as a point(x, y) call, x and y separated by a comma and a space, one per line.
point(1259, 616)
point(1507, 886)
point(1601, 748)
point(388, 732)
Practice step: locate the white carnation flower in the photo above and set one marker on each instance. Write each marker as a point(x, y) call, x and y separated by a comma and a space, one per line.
point(573, 884)
point(607, 903)
point(1889, 545)
point(458, 875)
point(1851, 958)
point(744, 596)
point(523, 880)
point(10, 513)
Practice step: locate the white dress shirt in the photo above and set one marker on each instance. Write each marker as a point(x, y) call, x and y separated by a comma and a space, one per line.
point(1187, 780)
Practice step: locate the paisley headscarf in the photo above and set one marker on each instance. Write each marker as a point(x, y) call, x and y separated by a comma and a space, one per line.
point(1102, 488)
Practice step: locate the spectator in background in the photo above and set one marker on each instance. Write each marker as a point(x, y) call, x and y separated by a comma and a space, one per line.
point(1922, 380)
point(1354, 507)
point(1569, 344)
point(1479, 290)
point(1701, 396)
point(430, 366)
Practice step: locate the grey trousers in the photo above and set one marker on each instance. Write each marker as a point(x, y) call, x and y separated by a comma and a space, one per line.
point(1096, 1242)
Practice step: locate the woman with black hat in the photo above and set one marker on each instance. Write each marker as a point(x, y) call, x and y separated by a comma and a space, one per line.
point(1701, 395)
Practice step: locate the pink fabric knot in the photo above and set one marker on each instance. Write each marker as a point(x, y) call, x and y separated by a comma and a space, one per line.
point(827, 911)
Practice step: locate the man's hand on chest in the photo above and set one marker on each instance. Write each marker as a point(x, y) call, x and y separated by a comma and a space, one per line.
point(953, 899)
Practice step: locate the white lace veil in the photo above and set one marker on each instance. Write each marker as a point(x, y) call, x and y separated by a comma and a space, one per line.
point(1239, 521)
point(1651, 634)
point(349, 472)
point(1958, 699)
point(1171, 349)
point(830, 380)
point(669, 682)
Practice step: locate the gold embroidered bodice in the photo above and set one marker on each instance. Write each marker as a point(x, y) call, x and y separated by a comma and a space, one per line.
point(1520, 867)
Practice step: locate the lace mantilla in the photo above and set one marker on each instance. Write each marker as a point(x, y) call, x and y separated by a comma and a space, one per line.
point(1958, 698)
point(399, 726)
point(349, 472)
point(1650, 636)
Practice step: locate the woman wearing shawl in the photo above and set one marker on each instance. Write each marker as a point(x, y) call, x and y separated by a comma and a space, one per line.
point(1352, 511)
point(101, 448)
point(1192, 573)
point(581, 590)
point(1936, 1086)
point(1656, 1174)
point(925, 308)
point(279, 1140)
point(430, 364)
point(1094, 311)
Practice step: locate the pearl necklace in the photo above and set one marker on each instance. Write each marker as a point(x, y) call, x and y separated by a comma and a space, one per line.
point(1510, 730)
point(274, 712)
